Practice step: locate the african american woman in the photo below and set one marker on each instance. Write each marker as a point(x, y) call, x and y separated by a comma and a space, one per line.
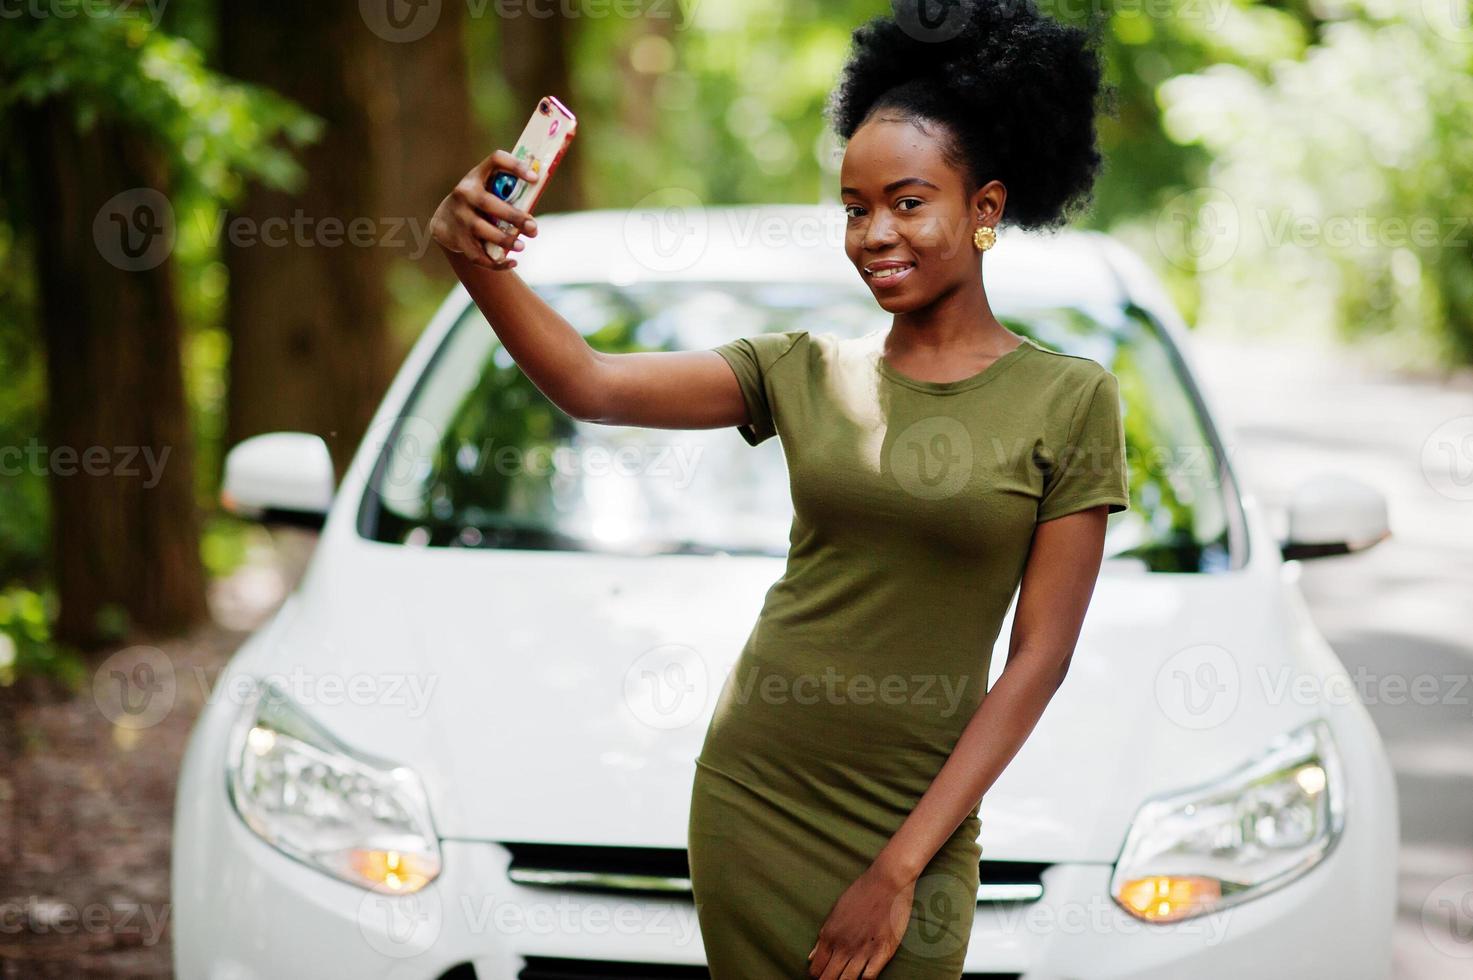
point(937, 468)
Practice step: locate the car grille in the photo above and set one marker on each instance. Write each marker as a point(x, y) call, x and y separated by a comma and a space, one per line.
point(662, 871)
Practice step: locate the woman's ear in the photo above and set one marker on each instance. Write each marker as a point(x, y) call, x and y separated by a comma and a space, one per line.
point(989, 201)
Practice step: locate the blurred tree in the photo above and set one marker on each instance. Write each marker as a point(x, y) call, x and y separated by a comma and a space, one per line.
point(127, 530)
point(536, 58)
point(107, 129)
point(1339, 187)
point(430, 136)
point(307, 311)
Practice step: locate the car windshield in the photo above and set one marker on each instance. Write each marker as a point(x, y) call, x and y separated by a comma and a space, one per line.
point(481, 459)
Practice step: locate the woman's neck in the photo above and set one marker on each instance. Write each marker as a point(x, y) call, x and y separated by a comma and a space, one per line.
point(960, 324)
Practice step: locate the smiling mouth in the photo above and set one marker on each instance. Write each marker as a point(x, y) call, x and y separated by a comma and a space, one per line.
point(887, 274)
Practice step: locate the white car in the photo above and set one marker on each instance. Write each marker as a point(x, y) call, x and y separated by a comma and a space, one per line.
point(464, 746)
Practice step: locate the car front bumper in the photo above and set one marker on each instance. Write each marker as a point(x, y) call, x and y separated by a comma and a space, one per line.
point(243, 911)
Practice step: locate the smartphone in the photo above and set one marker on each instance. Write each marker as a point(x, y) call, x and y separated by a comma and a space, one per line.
point(542, 144)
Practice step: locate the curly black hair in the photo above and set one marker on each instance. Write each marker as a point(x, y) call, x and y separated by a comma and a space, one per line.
point(1016, 91)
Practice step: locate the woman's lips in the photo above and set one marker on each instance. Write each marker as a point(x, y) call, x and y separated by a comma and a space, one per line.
point(887, 277)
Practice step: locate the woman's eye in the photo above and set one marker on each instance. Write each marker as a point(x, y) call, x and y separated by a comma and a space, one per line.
point(849, 209)
point(917, 200)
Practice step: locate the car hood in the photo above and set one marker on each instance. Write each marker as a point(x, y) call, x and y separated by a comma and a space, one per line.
point(515, 684)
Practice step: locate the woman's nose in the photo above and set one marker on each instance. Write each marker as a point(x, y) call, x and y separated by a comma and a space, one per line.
point(879, 231)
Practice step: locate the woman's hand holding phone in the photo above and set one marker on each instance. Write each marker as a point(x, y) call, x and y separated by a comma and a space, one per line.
point(465, 221)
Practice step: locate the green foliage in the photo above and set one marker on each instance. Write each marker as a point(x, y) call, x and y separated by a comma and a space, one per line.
point(112, 65)
point(1328, 131)
point(26, 647)
point(1343, 182)
point(23, 505)
point(225, 543)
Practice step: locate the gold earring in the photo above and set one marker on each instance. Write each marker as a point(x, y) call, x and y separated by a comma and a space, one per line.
point(984, 238)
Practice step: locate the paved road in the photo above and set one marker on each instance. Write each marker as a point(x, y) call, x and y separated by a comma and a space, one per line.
point(1402, 610)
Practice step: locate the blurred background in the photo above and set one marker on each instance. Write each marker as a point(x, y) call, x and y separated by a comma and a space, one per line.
point(1299, 172)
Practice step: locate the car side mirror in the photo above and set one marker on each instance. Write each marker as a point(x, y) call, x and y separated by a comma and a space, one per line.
point(279, 478)
point(1334, 515)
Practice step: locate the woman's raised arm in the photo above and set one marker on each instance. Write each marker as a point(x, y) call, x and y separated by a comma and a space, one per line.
point(659, 389)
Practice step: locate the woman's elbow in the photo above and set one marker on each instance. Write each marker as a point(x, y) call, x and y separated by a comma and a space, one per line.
point(586, 398)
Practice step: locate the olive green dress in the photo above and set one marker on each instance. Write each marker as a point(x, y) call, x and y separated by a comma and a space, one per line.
point(914, 508)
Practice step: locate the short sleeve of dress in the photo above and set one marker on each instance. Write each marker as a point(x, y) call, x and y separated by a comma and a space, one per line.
point(752, 360)
point(1090, 470)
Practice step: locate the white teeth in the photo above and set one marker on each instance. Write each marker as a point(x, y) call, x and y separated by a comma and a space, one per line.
point(888, 272)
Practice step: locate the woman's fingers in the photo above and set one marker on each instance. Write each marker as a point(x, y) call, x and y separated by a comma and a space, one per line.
point(490, 206)
point(503, 160)
point(475, 254)
point(467, 220)
point(507, 261)
point(488, 232)
point(498, 160)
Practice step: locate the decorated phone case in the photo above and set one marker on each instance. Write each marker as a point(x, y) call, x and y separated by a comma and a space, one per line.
point(542, 144)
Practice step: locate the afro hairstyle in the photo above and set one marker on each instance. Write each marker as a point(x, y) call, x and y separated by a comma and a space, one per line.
point(1015, 91)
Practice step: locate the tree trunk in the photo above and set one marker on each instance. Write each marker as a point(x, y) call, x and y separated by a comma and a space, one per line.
point(430, 139)
point(118, 455)
point(536, 54)
point(310, 346)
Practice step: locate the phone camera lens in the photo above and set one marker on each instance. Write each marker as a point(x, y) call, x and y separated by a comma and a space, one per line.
point(542, 108)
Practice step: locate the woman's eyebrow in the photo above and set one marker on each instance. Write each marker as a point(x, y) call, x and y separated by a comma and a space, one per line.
point(895, 185)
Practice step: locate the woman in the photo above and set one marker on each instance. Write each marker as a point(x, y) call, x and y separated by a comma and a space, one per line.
point(935, 468)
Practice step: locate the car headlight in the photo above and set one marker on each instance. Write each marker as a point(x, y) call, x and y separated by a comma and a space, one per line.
point(1254, 830)
point(302, 791)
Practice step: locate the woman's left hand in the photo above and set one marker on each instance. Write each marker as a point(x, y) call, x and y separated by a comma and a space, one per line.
point(864, 928)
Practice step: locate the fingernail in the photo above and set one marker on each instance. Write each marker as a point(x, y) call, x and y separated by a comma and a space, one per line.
point(531, 225)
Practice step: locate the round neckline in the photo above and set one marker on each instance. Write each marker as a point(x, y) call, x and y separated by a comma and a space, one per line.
point(983, 376)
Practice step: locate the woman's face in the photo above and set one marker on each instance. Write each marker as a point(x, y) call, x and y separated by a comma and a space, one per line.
point(911, 215)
